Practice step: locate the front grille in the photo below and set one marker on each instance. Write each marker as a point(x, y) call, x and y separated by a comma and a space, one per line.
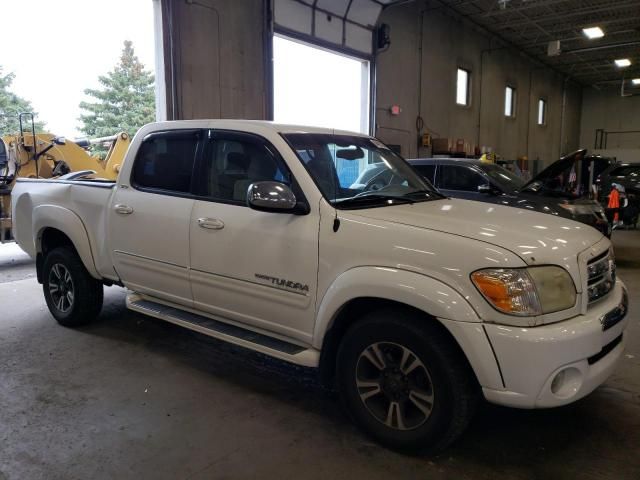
point(601, 276)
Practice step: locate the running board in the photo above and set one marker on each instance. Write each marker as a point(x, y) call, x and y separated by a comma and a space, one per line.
point(259, 342)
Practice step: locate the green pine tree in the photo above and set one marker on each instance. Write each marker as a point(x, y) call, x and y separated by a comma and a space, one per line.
point(125, 102)
point(11, 105)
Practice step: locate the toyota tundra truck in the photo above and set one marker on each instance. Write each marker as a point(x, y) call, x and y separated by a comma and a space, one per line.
point(411, 304)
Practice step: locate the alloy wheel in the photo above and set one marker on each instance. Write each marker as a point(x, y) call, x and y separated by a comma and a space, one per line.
point(61, 287)
point(394, 385)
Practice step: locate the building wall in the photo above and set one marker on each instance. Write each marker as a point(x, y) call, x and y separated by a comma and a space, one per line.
point(418, 72)
point(214, 58)
point(609, 111)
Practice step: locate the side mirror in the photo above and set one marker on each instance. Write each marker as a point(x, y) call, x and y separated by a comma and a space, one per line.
point(486, 188)
point(59, 141)
point(274, 197)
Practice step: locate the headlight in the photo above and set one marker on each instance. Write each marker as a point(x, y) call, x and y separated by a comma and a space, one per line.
point(526, 291)
point(580, 209)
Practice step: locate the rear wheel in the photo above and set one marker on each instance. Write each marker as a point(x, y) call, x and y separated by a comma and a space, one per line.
point(405, 382)
point(73, 296)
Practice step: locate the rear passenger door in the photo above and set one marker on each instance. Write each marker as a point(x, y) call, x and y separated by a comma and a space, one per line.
point(252, 267)
point(460, 181)
point(149, 222)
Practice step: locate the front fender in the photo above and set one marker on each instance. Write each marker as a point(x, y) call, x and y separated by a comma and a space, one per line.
point(424, 293)
point(419, 291)
point(63, 219)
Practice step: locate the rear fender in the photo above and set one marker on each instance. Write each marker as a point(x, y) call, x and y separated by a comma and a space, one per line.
point(63, 219)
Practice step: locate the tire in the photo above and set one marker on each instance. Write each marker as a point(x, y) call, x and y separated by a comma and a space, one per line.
point(73, 296)
point(434, 401)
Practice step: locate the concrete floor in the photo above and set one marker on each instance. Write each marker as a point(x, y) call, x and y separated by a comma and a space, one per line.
point(132, 397)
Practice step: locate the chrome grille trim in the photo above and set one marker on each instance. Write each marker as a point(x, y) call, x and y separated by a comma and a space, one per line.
point(601, 276)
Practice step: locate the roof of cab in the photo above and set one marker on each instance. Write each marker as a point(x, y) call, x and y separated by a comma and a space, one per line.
point(427, 161)
point(259, 124)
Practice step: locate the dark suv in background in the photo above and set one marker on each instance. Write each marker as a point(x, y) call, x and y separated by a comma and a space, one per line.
point(488, 182)
point(628, 176)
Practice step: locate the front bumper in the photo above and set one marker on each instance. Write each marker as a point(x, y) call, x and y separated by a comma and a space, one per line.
point(553, 365)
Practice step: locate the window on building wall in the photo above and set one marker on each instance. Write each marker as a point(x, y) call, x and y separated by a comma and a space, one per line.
point(463, 94)
point(509, 102)
point(542, 112)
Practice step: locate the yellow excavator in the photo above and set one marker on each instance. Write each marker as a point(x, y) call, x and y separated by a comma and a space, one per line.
point(28, 154)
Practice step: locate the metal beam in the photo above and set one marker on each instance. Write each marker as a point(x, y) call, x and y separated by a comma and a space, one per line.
point(572, 27)
point(580, 38)
point(559, 17)
point(603, 47)
point(524, 6)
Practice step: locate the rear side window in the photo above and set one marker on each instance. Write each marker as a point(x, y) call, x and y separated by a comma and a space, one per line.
point(462, 178)
point(165, 161)
point(427, 171)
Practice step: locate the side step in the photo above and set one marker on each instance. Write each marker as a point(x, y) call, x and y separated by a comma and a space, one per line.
point(224, 331)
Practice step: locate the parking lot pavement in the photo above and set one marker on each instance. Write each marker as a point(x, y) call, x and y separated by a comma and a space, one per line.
point(133, 397)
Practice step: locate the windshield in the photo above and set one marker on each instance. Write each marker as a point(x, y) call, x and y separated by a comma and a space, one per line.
point(359, 172)
point(507, 181)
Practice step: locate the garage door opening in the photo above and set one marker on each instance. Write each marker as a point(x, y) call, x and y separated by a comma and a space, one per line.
point(316, 87)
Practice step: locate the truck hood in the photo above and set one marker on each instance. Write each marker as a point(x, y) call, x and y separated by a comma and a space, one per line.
point(535, 237)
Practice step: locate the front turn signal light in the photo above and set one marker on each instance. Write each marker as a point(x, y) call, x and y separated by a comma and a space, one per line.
point(511, 291)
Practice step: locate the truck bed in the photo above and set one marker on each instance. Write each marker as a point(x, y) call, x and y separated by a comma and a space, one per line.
point(86, 199)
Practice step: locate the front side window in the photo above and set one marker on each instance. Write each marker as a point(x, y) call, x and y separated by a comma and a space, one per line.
point(358, 172)
point(234, 162)
point(165, 161)
point(462, 178)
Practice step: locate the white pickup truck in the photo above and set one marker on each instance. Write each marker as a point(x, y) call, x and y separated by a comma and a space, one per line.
point(410, 303)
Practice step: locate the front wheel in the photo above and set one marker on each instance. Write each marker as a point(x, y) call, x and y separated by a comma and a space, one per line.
point(73, 296)
point(405, 382)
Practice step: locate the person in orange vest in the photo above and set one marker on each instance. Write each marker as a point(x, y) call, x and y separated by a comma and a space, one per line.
point(614, 202)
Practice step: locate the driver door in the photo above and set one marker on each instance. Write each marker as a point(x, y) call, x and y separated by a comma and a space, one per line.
point(251, 267)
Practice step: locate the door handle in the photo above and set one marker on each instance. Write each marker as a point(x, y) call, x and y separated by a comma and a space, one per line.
point(123, 209)
point(211, 223)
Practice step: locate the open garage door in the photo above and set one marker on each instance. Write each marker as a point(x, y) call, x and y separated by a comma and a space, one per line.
point(347, 25)
point(323, 62)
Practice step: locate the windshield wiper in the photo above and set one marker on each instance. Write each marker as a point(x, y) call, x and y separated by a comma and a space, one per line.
point(433, 193)
point(373, 198)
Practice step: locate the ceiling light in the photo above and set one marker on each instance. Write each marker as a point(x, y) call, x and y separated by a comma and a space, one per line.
point(636, 81)
point(593, 32)
point(623, 62)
